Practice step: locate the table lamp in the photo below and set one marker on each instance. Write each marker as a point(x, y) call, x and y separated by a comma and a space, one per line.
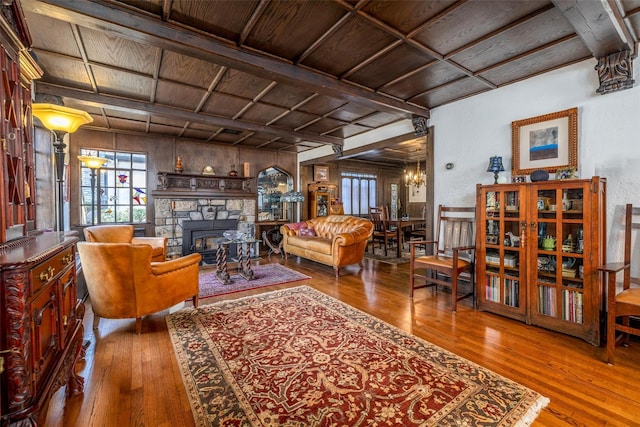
point(495, 166)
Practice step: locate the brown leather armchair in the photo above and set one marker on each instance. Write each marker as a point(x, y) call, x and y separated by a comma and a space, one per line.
point(124, 283)
point(123, 233)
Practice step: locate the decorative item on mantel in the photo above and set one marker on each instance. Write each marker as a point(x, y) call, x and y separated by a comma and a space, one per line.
point(233, 171)
point(208, 170)
point(178, 168)
point(495, 166)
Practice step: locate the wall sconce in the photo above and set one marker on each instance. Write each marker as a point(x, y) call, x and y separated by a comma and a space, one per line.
point(495, 166)
point(94, 163)
point(60, 120)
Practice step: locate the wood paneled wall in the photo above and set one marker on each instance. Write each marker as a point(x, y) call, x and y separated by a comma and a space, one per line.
point(162, 153)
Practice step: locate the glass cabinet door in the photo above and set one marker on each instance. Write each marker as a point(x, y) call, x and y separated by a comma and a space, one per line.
point(559, 253)
point(502, 272)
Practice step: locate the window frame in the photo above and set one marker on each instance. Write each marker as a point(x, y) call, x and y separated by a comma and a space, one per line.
point(108, 190)
point(363, 203)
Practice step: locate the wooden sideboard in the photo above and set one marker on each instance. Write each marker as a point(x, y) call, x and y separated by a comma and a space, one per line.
point(41, 331)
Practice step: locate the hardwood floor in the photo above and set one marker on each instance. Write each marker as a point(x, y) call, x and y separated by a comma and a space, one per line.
point(134, 379)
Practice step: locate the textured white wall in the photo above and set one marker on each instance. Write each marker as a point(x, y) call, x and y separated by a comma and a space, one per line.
point(470, 131)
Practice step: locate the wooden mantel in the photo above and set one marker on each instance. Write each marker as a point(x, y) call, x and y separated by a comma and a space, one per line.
point(184, 185)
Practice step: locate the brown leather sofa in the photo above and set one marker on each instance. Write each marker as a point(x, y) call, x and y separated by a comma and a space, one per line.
point(123, 282)
point(122, 233)
point(339, 240)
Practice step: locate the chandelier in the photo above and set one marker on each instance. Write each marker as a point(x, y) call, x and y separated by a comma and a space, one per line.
point(416, 178)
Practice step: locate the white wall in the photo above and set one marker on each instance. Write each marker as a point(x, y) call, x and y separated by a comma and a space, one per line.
point(470, 131)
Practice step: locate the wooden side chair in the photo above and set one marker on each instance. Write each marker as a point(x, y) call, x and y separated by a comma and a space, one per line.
point(624, 303)
point(381, 231)
point(453, 254)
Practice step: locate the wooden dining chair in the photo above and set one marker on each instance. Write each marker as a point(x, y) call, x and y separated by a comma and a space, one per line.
point(623, 303)
point(381, 231)
point(453, 254)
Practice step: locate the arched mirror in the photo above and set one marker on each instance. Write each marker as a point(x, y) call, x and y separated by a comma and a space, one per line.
point(273, 182)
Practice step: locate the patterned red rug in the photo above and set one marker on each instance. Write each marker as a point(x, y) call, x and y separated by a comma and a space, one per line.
point(297, 357)
point(266, 275)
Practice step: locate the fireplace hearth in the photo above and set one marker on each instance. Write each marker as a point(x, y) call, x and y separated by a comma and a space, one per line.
point(199, 236)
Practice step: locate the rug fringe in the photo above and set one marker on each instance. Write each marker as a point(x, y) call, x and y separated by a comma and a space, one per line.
point(532, 413)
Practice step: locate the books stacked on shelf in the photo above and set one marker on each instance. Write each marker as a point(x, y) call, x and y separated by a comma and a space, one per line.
point(512, 292)
point(572, 304)
point(547, 300)
point(492, 290)
point(492, 258)
point(510, 260)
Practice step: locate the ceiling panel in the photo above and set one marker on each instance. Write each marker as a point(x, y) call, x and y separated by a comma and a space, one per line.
point(299, 74)
point(189, 70)
point(349, 45)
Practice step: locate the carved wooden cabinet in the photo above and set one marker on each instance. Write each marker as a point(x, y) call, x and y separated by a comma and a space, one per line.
point(41, 330)
point(17, 159)
point(320, 199)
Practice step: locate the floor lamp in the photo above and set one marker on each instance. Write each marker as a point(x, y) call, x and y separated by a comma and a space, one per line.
point(94, 163)
point(60, 120)
point(288, 198)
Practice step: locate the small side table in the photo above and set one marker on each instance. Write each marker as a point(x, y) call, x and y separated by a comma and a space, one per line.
point(244, 259)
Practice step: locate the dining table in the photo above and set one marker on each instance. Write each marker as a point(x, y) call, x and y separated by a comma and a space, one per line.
point(400, 224)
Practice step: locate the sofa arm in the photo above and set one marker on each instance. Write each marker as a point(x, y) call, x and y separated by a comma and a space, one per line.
point(158, 268)
point(352, 237)
point(286, 231)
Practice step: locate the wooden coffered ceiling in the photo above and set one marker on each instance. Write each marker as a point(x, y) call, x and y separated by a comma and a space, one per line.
point(295, 75)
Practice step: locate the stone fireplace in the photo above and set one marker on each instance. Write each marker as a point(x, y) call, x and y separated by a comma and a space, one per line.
point(177, 219)
point(196, 202)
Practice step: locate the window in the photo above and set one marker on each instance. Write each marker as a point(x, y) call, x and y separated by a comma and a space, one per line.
point(358, 193)
point(119, 191)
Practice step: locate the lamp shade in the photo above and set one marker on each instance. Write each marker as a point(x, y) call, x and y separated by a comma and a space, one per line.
point(292, 197)
point(60, 118)
point(93, 162)
point(495, 164)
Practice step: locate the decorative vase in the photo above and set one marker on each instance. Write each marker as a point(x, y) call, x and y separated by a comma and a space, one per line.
point(566, 203)
point(178, 167)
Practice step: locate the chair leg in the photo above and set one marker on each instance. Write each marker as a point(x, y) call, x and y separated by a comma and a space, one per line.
point(96, 321)
point(138, 325)
point(195, 301)
point(611, 335)
point(454, 292)
point(336, 269)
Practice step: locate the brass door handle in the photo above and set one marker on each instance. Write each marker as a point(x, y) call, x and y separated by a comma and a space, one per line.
point(45, 276)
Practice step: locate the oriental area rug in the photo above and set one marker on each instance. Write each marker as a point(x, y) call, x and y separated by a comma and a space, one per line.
point(265, 275)
point(297, 357)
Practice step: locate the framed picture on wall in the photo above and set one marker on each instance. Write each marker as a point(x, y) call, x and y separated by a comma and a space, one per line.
point(320, 173)
point(548, 142)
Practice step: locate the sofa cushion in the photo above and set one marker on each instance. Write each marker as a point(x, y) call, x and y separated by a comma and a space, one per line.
point(314, 244)
point(307, 232)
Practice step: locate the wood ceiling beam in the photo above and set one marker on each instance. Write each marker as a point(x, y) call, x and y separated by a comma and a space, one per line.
point(130, 105)
point(105, 16)
point(599, 24)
